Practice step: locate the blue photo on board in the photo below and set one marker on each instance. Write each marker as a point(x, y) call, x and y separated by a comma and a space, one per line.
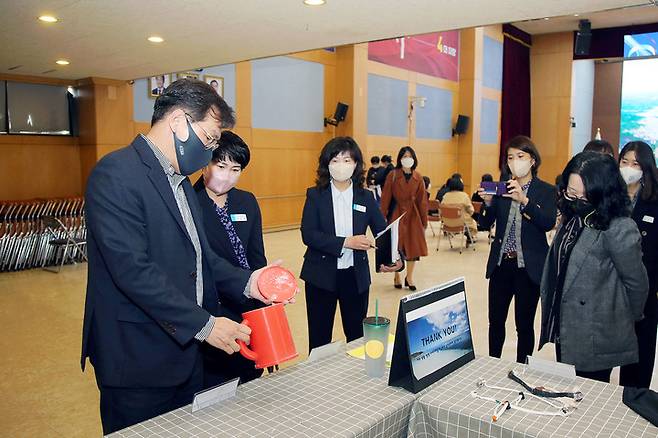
point(438, 334)
point(639, 102)
point(640, 45)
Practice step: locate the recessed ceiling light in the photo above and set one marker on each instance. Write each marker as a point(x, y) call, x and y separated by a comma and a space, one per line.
point(314, 2)
point(155, 39)
point(546, 18)
point(48, 19)
point(576, 15)
point(62, 62)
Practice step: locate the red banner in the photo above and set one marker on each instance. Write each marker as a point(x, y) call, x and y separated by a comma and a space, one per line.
point(434, 54)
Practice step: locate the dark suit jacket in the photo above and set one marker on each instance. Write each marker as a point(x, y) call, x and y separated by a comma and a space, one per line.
point(381, 174)
point(141, 314)
point(645, 215)
point(250, 231)
point(538, 217)
point(324, 247)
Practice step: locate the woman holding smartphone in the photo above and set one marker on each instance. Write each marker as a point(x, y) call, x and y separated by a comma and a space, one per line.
point(522, 216)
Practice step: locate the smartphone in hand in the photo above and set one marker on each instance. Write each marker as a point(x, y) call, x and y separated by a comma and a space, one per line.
point(494, 188)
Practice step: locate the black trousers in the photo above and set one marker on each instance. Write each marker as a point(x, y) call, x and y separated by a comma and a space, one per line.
point(321, 309)
point(509, 281)
point(600, 375)
point(639, 374)
point(123, 407)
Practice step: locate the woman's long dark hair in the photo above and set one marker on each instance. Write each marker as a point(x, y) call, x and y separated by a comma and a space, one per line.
point(403, 150)
point(334, 147)
point(604, 187)
point(647, 161)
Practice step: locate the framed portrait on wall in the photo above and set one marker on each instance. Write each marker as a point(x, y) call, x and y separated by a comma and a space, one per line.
point(187, 75)
point(217, 82)
point(157, 85)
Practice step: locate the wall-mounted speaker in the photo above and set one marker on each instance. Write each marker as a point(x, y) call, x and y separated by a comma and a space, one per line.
point(583, 38)
point(339, 114)
point(462, 125)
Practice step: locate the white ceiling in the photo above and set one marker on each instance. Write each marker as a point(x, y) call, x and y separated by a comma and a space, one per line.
point(642, 14)
point(107, 38)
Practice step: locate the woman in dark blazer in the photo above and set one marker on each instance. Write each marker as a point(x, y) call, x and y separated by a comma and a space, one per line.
point(593, 287)
point(233, 224)
point(337, 213)
point(637, 165)
point(522, 217)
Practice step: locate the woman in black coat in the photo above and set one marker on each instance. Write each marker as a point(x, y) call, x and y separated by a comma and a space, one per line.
point(523, 216)
point(233, 224)
point(637, 164)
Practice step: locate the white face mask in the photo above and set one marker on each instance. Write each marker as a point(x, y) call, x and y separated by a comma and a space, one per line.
point(407, 162)
point(520, 168)
point(341, 172)
point(630, 174)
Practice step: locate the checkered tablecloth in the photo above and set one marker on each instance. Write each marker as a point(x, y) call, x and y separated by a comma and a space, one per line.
point(448, 410)
point(329, 398)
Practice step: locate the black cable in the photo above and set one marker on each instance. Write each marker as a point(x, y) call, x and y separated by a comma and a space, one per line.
point(539, 391)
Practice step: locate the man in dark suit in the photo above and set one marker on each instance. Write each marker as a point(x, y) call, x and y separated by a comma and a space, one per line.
point(384, 169)
point(154, 283)
point(159, 86)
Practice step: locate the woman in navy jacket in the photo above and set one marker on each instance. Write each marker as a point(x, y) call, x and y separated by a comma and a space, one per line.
point(522, 216)
point(233, 224)
point(638, 168)
point(337, 212)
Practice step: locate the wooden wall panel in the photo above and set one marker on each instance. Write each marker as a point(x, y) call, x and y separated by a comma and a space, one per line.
point(39, 166)
point(550, 71)
point(606, 112)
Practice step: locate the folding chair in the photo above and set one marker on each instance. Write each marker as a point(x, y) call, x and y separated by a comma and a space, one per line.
point(63, 238)
point(452, 217)
point(434, 215)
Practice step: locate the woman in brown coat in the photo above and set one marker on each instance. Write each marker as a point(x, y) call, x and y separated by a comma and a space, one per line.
point(404, 192)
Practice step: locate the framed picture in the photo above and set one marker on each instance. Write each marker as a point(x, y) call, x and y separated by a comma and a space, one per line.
point(157, 85)
point(217, 82)
point(187, 75)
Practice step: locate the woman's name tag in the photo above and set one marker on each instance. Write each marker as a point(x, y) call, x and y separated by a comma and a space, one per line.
point(239, 217)
point(360, 208)
point(648, 219)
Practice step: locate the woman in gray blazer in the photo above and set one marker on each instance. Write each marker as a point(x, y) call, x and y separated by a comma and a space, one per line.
point(593, 289)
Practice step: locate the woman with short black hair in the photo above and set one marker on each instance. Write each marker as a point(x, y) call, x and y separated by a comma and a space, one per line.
point(234, 228)
point(337, 213)
point(637, 164)
point(593, 289)
point(522, 216)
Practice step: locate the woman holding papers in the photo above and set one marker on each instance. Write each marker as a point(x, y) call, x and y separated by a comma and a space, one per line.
point(337, 213)
point(404, 194)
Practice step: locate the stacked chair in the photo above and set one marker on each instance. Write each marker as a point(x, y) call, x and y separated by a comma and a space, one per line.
point(42, 233)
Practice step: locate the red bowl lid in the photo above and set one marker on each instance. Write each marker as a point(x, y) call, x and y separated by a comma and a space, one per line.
point(277, 282)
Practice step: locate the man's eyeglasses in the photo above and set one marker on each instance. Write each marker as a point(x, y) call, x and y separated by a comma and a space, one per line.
point(211, 142)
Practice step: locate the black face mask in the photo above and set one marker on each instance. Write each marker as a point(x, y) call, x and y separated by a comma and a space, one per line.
point(191, 154)
point(576, 207)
